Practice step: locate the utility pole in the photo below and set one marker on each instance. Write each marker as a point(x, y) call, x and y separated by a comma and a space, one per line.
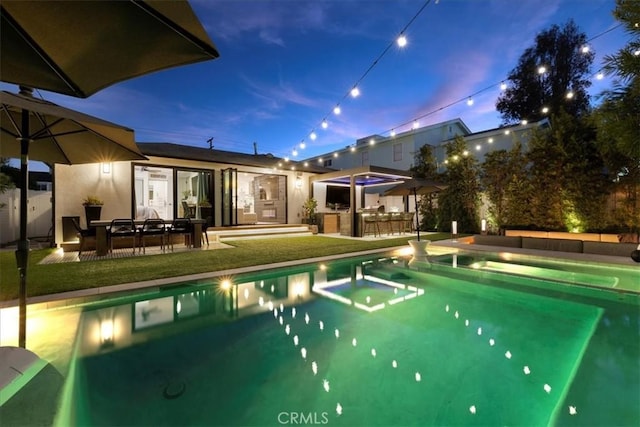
point(255, 148)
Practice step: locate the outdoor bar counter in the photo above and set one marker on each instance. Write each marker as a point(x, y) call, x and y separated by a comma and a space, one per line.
point(345, 223)
point(102, 246)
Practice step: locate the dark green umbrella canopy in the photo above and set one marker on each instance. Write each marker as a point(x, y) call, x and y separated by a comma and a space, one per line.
point(80, 47)
point(60, 135)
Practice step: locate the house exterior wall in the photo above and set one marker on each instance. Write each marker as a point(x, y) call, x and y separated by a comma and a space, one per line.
point(381, 152)
point(73, 183)
point(377, 150)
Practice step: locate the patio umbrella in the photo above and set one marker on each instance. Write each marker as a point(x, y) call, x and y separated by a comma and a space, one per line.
point(80, 47)
point(53, 134)
point(415, 186)
point(59, 135)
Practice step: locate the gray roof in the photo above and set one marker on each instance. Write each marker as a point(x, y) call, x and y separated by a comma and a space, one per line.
point(187, 152)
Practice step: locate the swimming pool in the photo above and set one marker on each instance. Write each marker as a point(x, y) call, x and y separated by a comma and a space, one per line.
point(366, 341)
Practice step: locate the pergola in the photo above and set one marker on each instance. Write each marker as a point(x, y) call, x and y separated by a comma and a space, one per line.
point(364, 176)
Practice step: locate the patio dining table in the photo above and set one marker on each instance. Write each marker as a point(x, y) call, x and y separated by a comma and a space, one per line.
point(102, 247)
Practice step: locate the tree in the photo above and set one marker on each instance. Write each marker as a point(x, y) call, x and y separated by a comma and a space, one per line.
point(460, 200)
point(5, 180)
point(503, 178)
point(424, 166)
point(559, 51)
point(618, 118)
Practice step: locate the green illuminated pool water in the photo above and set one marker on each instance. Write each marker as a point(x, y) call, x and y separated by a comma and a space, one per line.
point(369, 342)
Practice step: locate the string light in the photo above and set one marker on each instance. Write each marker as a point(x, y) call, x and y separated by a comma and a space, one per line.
point(402, 42)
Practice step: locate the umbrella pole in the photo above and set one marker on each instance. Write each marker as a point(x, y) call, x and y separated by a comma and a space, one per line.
point(415, 198)
point(22, 251)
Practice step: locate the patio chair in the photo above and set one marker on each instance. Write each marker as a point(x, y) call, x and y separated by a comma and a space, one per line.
point(123, 228)
point(154, 228)
point(180, 226)
point(83, 233)
point(208, 222)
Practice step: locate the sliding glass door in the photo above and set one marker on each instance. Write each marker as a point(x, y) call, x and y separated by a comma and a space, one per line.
point(229, 196)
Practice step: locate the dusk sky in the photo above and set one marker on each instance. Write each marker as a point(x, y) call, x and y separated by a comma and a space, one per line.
point(284, 65)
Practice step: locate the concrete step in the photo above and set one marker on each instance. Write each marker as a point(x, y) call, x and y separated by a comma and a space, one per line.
point(244, 233)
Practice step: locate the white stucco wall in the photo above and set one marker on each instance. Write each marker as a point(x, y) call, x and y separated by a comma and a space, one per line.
point(74, 183)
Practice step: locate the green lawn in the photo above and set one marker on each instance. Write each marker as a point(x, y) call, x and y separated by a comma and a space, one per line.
point(55, 278)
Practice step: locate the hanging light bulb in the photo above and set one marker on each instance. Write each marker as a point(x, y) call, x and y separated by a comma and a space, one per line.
point(372, 141)
point(636, 52)
point(490, 141)
point(585, 48)
point(294, 153)
point(570, 94)
point(355, 92)
point(416, 124)
point(313, 136)
point(393, 132)
point(336, 110)
point(325, 124)
point(542, 69)
point(402, 40)
point(286, 159)
point(302, 145)
point(335, 154)
point(545, 110)
point(503, 86)
point(306, 164)
point(524, 122)
point(353, 149)
point(469, 102)
point(600, 75)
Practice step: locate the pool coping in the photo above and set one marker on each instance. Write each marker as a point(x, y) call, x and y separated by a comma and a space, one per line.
point(76, 297)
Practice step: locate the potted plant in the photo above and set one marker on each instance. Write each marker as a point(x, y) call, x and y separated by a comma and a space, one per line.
point(92, 208)
point(309, 208)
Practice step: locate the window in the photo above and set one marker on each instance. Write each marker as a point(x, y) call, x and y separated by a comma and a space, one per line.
point(397, 152)
point(327, 162)
point(153, 192)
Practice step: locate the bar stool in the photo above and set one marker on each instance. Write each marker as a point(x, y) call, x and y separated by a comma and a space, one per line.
point(382, 220)
point(407, 221)
point(370, 223)
point(396, 220)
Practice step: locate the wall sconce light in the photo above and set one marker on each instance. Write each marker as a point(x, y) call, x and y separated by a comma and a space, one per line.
point(106, 168)
point(299, 181)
